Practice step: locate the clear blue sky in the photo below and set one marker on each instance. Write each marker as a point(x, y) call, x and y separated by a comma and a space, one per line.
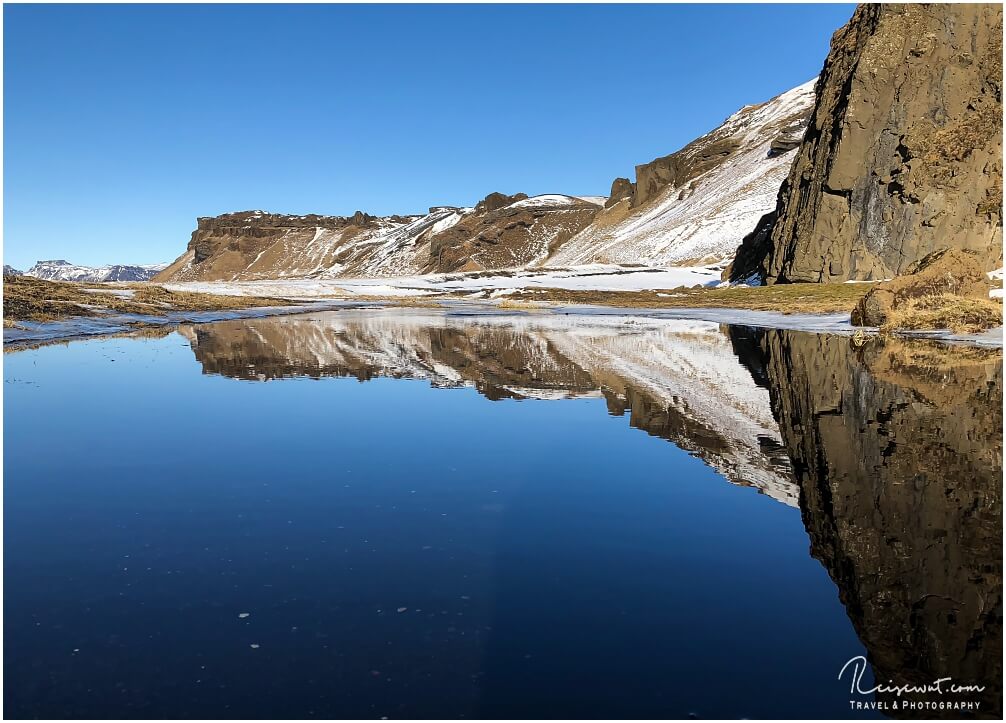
point(122, 124)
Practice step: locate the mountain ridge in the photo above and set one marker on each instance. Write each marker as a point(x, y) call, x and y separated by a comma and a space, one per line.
point(62, 270)
point(690, 206)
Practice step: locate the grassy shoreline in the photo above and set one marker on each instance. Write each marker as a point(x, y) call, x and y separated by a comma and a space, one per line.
point(782, 298)
point(35, 300)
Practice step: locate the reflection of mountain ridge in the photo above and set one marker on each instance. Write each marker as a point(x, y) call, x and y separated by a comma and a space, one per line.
point(679, 380)
point(893, 448)
point(897, 448)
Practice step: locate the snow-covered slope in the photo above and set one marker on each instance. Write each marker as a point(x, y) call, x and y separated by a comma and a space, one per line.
point(699, 203)
point(11, 271)
point(59, 270)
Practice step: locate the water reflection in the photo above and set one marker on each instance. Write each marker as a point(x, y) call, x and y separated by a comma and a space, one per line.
point(892, 449)
point(897, 447)
point(677, 379)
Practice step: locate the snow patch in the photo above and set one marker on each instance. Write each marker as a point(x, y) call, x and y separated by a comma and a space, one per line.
point(551, 200)
point(595, 277)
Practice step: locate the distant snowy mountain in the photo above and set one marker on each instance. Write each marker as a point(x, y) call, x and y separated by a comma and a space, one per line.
point(11, 271)
point(60, 270)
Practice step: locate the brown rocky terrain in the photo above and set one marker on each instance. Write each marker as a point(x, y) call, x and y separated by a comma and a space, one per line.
point(509, 232)
point(257, 245)
point(903, 155)
point(499, 232)
point(28, 299)
point(897, 449)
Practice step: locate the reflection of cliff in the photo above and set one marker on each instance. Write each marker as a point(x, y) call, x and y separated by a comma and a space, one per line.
point(897, 448)
point(679, 380)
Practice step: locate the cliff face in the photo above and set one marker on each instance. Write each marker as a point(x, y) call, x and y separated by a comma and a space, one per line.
point(259, 245)
point(897, 449)
point(903, 155)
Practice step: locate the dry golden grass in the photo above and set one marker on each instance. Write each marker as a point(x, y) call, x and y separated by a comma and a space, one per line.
point(158, 296)
point(509, 303)
point(29, 299)
point(425, 302)
point(962, 315)
point(784, 298)
point(25, 298)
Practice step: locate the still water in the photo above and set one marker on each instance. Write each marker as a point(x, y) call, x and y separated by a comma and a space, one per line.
point(412, 513)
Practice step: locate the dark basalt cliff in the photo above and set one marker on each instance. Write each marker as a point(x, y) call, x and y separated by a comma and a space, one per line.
point(897, 449)
point(903, 155)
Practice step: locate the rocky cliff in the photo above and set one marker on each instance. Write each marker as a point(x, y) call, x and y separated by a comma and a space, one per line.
point(499, 232)
point(256, 244)
point(903, 155)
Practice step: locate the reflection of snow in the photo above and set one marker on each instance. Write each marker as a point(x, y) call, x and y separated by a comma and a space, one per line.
point(675, 369)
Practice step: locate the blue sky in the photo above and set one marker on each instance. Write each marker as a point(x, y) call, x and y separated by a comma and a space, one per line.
point(122, 123)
